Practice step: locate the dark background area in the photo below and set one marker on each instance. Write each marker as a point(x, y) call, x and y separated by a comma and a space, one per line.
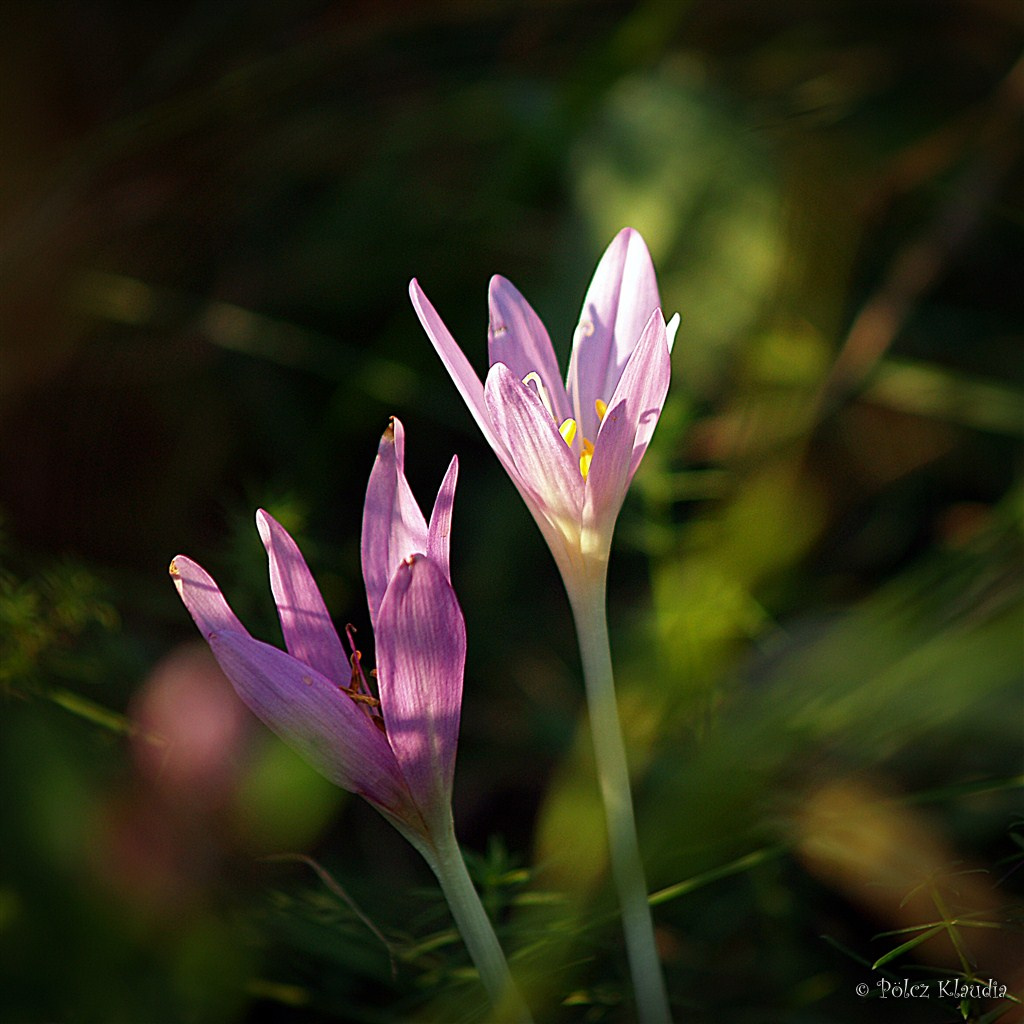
point(209, 216)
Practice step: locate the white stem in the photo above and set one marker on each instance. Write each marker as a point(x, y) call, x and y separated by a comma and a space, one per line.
point(588, 605)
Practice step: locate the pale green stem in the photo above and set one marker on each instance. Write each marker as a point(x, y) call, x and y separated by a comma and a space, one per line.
point(588, 606)
point(445, 858)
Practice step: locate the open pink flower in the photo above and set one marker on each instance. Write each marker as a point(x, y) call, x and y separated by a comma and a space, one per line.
point(572, 449)
point(396, 746)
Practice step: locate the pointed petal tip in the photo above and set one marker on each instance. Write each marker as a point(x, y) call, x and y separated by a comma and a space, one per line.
point(420, 302)
point(628, 237)
point(419, 296)
point(415, 562)
point(498, 283)
point(504, 302)
point(392, 442)
point(265, 524)
point(202, 597)
point(182, 567)
point(655, 324)
point(670, 330)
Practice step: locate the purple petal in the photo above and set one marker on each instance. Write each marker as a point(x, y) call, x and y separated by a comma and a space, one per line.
point(393, 525)
point(627, 427)
point(543, 467)
point(421, 654)
point(441, 519)
point(517, 338)
point(308, 631)
point(203, 598)
point(464, 376)
point(622, 295)
point(314, 717)
point(609, 475)
point(644, 385)
point(298, 703)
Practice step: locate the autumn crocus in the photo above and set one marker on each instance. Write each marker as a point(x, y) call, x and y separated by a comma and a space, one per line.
point(394, 742)
point(571, 450)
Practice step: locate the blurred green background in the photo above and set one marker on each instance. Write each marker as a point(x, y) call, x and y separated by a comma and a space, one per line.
point(209, 215)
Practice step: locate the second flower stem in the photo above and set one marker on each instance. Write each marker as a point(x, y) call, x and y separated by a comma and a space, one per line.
point(445, 858)
point(589, 612)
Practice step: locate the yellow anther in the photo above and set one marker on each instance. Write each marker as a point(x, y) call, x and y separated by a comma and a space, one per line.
point(601, 407)
point(568, 431)
point(588, 454)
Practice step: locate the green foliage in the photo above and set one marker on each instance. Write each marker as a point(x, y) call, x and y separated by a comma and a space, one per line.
point(210, 221)
point(48, 626)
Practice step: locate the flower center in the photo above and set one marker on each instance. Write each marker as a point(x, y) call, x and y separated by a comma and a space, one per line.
point(567, 428)
point(358, 689)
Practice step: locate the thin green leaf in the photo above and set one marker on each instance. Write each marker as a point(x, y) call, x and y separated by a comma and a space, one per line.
point(904, 947)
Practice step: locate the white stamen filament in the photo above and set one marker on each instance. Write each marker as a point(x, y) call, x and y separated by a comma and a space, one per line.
point(533, 377)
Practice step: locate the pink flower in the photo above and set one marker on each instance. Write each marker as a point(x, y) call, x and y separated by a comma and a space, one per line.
point(396, 746)
point(572, 449)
